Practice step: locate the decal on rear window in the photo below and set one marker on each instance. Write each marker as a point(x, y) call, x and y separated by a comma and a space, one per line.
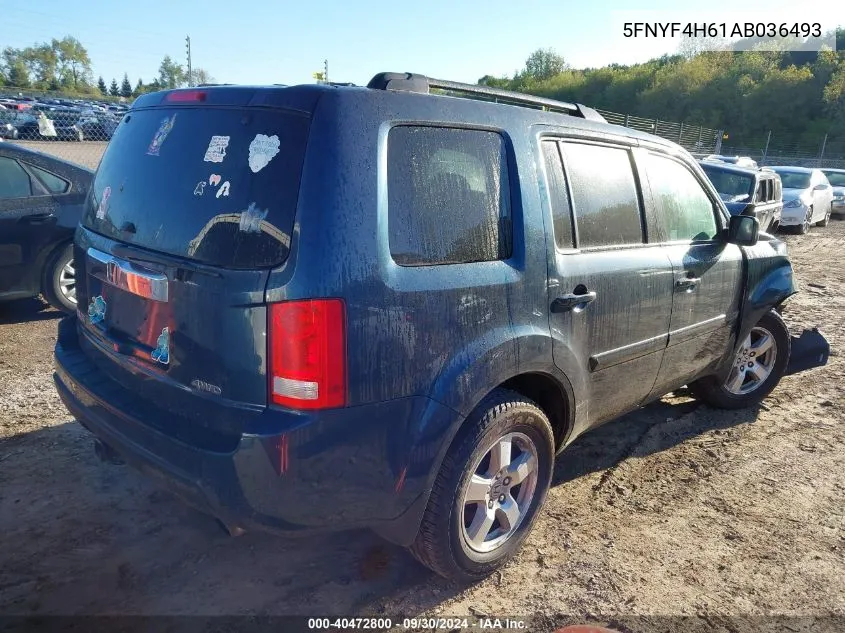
point(160, 135)
point(262, 149)
point(97, 310)
point(200, 188)
point(224, 190)
point(161, 354)
point(216, 151)
point(103, 208)
point(214, 179)
point(251, 219)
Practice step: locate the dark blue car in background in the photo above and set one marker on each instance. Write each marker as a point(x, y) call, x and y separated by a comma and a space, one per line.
point(322, 307)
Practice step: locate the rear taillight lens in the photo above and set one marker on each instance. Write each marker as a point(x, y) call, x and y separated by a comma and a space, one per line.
point(183, 96)
point(308, 353)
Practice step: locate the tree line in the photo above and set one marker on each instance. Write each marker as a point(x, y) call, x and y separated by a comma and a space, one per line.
point(63, 65)
point(798, 95)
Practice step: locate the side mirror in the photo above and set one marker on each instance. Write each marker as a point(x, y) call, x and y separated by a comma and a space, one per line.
point(743, 230)
point(820, 187)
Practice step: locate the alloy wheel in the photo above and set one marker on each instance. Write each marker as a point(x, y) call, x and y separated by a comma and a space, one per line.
point(67, 282)
point(754, 362)
point(500, 492)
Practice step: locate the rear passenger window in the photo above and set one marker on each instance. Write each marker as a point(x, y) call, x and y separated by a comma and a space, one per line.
point(683, 208)
point(558, 196)
point(448, 196)
point(14, 181)
point(53, 183)
point(604, 195)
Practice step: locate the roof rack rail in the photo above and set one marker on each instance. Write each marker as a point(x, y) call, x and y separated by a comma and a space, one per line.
point(411, 82)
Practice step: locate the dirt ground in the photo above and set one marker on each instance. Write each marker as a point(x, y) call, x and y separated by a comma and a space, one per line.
point(676, 509)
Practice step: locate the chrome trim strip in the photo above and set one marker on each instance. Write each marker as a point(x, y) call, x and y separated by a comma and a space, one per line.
point(128, 277)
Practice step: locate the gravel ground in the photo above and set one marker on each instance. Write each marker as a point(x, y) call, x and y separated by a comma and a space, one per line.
point(676, 509)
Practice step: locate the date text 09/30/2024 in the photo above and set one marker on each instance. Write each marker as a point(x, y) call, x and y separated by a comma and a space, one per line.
point(418, 624)
point(721, 29)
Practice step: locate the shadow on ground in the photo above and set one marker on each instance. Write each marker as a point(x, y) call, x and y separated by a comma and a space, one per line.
point(96, 538)
point(27, 310)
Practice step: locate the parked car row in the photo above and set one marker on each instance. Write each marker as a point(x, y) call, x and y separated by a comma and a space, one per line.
point(780, 196)
point(59, 119)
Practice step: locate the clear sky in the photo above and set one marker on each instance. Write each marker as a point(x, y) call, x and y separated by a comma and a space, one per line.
point(285, 41)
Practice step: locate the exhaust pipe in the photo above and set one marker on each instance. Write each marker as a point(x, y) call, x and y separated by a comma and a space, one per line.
point(107, 454)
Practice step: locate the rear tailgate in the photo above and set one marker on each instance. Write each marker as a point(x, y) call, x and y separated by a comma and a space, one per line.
point(190, 208)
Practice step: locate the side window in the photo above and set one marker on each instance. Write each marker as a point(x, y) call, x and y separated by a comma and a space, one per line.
point(558, 196)
point(682, 205)
point(448, 196)
point(14, 181)
point(761, 191)
point(53, 183)
point(770, 189)
point(604, 195)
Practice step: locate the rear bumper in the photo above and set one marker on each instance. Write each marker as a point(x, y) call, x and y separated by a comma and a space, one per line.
point(368, 466)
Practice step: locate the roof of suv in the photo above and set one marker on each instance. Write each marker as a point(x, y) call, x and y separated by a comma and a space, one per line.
point(734, 169)
point(304, 97)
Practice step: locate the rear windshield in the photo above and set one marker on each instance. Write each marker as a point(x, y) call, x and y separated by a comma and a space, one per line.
point(836, 178)
point(794, 179)
point(732, 187)
point(216, 185)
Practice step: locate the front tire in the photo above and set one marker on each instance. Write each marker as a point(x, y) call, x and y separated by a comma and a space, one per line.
point(826, 220)
point(492, 483)
point(804, 228)
point(759, 364)
point(59, 283)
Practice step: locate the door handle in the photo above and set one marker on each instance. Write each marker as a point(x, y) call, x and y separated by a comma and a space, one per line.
point(570, 301)
point(687, 284)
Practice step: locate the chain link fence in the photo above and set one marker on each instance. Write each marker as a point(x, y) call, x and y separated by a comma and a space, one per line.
point(78, 130)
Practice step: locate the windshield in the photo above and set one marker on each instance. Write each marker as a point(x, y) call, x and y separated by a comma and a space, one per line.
point(217, 185)
point(732, 187)
point(794, 179)
point(836, 178)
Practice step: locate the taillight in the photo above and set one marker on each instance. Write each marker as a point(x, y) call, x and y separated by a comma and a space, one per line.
point(186, 95)
point(308, 353)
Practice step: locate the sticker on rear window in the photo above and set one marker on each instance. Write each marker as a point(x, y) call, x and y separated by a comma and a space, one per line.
point(161, 354)
point(200, 188)
point(103, 208)
point(161, 134)
point(262, 149)
point(224, 190)
point(251, 219)
point(97, 310)
point(216, 151)
point(214, 180)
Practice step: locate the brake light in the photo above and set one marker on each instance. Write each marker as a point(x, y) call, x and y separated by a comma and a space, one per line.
point(186, 95)
point(308, 353)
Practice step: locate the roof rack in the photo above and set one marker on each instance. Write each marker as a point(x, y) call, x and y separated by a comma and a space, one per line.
point(411, 82)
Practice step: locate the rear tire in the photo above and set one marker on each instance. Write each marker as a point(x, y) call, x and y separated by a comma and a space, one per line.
point(59, 283)
point(458, 539)
point(717, 393)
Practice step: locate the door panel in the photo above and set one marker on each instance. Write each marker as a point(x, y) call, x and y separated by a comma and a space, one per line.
point(708, 272)
point(26, 220)
point(610, 304)
point(703, 313)
point(617, 339)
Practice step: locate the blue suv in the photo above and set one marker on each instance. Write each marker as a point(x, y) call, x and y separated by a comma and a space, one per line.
point(322, 307)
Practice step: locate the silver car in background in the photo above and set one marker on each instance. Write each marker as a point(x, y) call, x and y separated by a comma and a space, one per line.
point(836, 177)
point(807, 197)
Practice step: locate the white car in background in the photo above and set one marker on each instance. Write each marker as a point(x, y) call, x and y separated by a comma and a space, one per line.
point(807, 197)
point(836, 177)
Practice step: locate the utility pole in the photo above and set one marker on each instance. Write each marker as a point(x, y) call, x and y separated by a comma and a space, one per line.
point(766, 151)
point(326, 70)
point(190, 70)
point(821, 152)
